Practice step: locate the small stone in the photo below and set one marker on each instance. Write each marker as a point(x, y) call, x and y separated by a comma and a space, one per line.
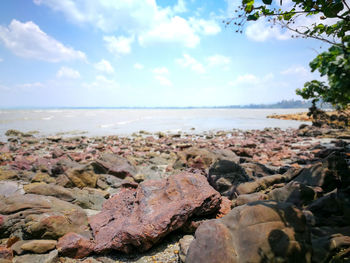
point(39, 246)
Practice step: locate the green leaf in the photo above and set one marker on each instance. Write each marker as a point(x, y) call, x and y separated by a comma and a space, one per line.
point(253, 17)
point(332, 10)
point(267, 2)
point(249, 8)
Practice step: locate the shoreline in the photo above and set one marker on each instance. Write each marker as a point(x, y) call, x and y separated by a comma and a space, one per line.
point(83, 173)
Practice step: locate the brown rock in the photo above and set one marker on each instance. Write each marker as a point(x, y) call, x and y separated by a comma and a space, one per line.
point(39, 246)
point(135, 219)
point(74, 246)
point(225, 207)
point(184, 246)
point(263, 231)
point(43, 177)
point(52, 257)
point(82, 177)
point(6, 174)
point(37, 216)
point(225, 175)
point(115, 165)
point(5, 253)
point(49, 190)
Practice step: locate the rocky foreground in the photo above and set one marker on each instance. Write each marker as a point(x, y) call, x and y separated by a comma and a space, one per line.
point(233, 196)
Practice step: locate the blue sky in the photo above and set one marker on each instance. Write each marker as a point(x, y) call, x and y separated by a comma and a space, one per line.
point(75, 53)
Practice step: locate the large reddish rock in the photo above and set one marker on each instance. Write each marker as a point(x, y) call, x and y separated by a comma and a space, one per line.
point(74, 246)
point(137, 218)
point(263, 231)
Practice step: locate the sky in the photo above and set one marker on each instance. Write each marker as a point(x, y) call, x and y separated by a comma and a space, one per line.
point(144, 53)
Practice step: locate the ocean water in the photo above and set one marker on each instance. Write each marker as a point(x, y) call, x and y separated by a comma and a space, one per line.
point(95, 122)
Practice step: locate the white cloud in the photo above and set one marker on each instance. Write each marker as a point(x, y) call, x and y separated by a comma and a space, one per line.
point(180, 7)
point(1, 60)
point(104, 66)
point(296, 70)
point(164, 81)
point(139, 66)
point(118, 45)
point(160, 71)
point(68, 73)
point(189, 62)
point(101, 82)
point(218, 60)
point(205, 27)
point(173, 30)
point(29, 41)
point(251, 79)
point(147, 21)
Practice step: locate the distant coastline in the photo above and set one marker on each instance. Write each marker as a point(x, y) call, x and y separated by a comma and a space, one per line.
point(284, 104)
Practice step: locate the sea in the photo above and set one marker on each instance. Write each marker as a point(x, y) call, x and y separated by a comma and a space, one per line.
point(102, 122)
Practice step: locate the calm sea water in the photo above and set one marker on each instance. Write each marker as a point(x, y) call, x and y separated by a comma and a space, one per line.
point(125, 121)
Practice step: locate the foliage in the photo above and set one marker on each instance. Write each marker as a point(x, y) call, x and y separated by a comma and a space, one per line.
point(334, 63)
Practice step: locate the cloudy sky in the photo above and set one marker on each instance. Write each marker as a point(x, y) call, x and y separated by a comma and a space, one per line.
point(143, 53)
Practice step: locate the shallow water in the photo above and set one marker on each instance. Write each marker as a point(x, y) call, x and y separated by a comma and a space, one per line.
point(93, 122)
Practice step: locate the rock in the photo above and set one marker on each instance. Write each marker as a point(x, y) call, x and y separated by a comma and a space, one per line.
point(137, 218)
point(225, 175)
point(52, 257)
point(8, 188)
point(88, 198)
point(184, 246)
point(6, 174)
point(194, 158)
point(74, 246)
point(293, 192)
point(255, 170)
point(263, 231)
point(32, 216)
point(16, 247)
point(49, 190)
point(14, 133)
point(328, 242)
point(39, 246)
point(330, 173)
point(63, 180)
point(115, 165)
point(5, 253)
point(82, 177)
point(225, 207)
point(43, 177)
point(262, 183)
point(248, 198)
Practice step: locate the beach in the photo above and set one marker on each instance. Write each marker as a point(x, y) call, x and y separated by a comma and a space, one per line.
point(141, 197)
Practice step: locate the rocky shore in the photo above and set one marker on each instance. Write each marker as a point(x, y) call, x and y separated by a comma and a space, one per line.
point(230, 196)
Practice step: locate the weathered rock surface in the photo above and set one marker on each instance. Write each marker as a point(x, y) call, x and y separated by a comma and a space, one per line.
point(74, 246)
point(8, 188)
point(225, 175)
point(263, 231)
point(82, 177)
point(39, 246)
point(115, 165)
point(137, 218)
point(35, 216)
point(185, 243)
point(52, 257)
